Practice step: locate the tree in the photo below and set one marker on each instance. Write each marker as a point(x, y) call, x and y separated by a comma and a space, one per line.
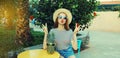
point(8, 10)
point(81, 10)
point(23, 35)
point(43, 11)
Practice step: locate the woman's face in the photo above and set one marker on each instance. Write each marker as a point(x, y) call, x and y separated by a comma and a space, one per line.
point(62, 18)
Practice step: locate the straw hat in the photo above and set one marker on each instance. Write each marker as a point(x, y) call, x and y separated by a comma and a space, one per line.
point(67, 12)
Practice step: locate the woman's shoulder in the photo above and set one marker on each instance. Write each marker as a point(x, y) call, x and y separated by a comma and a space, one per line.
point(53, 29)
point(70, 30)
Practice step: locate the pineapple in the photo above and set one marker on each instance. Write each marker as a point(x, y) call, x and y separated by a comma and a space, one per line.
point(51, 44)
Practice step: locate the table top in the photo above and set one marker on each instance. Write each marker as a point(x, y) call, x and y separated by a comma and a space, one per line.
point(38, 53)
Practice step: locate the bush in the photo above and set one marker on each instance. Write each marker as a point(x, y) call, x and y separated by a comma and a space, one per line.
point(116, 8)
point(38, 37)
point(81, 10)
point(111, 7)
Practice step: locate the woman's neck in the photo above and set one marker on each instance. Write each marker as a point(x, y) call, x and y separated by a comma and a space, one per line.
point(61, 27)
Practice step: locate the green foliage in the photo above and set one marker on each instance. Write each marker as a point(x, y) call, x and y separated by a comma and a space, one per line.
point(7, 42)
point(38, 37)
point(116, 8)
point(119, 14)
point(81, 11)
point(109, 7)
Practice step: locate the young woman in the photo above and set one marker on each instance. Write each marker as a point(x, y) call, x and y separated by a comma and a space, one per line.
point(65, 38)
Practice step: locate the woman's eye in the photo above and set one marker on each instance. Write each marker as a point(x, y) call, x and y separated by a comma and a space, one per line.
point(65, 17)
point(60, 17)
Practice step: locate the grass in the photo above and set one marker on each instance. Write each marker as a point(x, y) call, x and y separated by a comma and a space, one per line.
point(7, 42)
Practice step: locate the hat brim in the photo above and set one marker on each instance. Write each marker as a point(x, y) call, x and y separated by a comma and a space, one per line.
point(67, 12)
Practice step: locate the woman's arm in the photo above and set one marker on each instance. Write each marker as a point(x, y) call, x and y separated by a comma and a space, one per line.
point(74, 42)
point(45, 42)
point(45, 36)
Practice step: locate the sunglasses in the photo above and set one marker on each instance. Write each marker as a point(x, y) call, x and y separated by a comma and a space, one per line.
point(62, 17)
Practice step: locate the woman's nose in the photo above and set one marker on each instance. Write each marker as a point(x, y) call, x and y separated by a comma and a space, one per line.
point(62, 20)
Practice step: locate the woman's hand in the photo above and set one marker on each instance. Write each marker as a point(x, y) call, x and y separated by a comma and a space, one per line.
point(77, 28)
point(45, 29)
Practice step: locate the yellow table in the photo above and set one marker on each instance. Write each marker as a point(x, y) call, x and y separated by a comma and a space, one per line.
point(38, 53)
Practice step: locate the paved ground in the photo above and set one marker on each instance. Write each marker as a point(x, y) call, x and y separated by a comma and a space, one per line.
point(110, 2)
point(102, 45)
point(106, 21)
